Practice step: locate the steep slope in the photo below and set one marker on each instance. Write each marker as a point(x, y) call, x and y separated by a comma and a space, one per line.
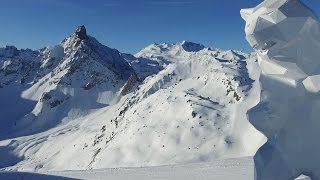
point(62, 83)
point(17, 71)
point(193, 110)
point(188, 104)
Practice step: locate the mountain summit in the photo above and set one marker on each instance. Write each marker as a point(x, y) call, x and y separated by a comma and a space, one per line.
point(82, 32)
point(192, 47)
point(77, 75)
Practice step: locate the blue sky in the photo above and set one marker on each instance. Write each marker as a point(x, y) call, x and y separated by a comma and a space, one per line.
point(127, 25)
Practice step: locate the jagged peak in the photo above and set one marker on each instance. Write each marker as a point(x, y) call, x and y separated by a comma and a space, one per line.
point(79, 35)
point(81, 32)
point(80, 48)
point(191, 46)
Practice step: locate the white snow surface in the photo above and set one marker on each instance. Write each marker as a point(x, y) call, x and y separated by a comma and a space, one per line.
point(188, 105)
point(286, 37)
point(230, 169)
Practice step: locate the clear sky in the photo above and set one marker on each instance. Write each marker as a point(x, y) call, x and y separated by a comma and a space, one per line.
point(127, 25)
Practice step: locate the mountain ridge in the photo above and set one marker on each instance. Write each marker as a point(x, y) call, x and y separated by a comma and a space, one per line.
point(94, 107)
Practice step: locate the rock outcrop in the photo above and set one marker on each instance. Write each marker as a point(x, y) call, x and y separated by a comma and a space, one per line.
point(82, 32)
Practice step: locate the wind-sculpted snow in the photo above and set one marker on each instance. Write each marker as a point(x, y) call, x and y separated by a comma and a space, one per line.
point(286, 36)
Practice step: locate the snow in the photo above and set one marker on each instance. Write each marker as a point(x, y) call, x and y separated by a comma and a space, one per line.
point(52, 56)
point(285, 35)
point(6, 64)
point(231, 169)
point(311, 84)
point(188, 105)
point(193, 110)
point(81, 110)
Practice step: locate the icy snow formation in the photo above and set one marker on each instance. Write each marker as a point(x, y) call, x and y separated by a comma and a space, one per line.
point(286, 36)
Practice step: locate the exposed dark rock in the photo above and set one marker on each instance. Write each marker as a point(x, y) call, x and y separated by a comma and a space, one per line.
point(130, 83)
point(192, 47)
point(194, 114)
point(45, 96)
point(82, 32)
point(236, 96)
point(55, 103)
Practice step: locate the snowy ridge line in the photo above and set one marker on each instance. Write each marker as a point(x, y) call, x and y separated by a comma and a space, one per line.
point(86, 106)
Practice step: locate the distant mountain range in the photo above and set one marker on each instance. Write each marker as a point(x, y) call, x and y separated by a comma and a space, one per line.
point(82, 105)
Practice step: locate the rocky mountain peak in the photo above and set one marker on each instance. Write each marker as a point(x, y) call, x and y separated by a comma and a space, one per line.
point(192, 47)
point(81, 32)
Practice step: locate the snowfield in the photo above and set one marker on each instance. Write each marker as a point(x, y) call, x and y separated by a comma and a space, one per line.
point(84, 106)
point(230, 169)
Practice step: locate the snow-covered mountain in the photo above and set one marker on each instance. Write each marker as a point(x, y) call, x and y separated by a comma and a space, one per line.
point(82, 105)
point(76, 76)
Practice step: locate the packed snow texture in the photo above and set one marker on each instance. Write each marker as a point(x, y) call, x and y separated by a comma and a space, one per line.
point(230, 169)
point(81, 105)
point(286, 36)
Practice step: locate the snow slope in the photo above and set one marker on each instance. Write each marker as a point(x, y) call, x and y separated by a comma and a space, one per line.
point(231, 169)
point(93, 107)
point(57, 84)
